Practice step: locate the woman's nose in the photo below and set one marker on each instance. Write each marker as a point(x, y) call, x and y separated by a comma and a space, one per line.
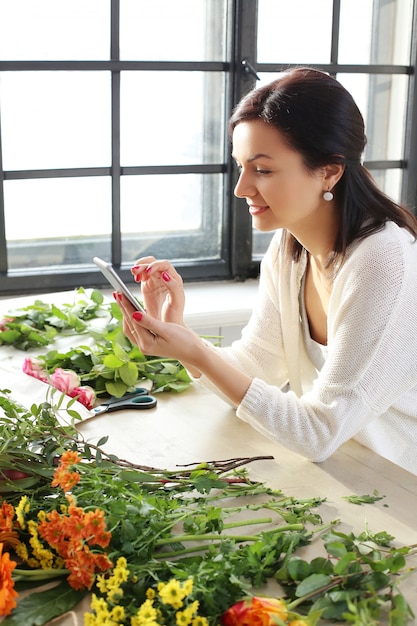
point(242, 188)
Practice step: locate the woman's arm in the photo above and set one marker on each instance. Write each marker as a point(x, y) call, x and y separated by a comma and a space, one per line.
point(177, 341)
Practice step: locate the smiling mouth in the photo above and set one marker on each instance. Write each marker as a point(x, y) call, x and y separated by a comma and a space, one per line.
point(256, 210)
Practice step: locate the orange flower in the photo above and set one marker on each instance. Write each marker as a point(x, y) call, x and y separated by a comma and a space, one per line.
point(63, 477)
point(70, 457)
point(255, 611)
point(6, 516)
point(71, 535)
point(7, 591)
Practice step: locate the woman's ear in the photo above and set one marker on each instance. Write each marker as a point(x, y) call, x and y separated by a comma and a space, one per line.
point(332, 174)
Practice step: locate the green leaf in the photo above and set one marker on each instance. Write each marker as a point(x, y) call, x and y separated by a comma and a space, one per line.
point(40, 607)
point(112, 361)
point(343, 564)
point(116, 388)
point(129, 374)
point(365, 499)
point(311, 584)
point(298, 569)
point(336, 549)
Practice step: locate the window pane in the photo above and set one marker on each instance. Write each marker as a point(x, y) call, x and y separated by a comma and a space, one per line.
point(184, 30)
point(382, 99)
point(294, 32)
point(172, 118)
point(55, 119)
point(173, 216)
point(54, 221)
point(46, 30)
point(389, 181)
point(381, 31)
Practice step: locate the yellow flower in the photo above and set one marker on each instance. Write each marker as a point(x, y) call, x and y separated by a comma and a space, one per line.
point(150, 593)
point(22, 508)
point(172, 593)
point(101, 583)
point(182, 618)
point(199, 621)
point(118, 614)
point(44, 556)
point(188, 586)
point(146, 613)
point(114, 595)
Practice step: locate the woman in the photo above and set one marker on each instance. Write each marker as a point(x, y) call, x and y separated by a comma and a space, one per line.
point(330, 351)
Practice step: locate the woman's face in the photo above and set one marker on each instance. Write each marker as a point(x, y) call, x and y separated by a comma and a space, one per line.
point(279, 190)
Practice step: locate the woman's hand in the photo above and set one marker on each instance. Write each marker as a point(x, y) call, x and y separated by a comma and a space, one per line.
point(176, 341)
point(162, 289)
point(157, 337)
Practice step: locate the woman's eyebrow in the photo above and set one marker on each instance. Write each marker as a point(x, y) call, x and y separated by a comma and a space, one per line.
point(258, 155)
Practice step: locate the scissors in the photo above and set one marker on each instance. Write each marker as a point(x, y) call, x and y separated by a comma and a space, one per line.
point(138, 399)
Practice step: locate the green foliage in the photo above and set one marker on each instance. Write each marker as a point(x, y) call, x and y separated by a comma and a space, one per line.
point(111, 367)
point(358, 580)
point(43, 606)
point(365, 499)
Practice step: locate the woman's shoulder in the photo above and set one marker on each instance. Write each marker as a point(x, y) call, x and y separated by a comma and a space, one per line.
point(385, 256)
point(390, 239)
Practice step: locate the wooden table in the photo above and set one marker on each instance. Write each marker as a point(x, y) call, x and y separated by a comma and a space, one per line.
point(198, 426)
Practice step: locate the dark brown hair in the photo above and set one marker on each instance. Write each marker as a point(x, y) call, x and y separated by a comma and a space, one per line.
point(319, 118)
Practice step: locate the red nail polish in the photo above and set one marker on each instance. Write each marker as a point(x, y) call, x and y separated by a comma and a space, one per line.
point(137, 316)
point(115, 295)
point(166, 277)
point(148, 269)
point(119, 296)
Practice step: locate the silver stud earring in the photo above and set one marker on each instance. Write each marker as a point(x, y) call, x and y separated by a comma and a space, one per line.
point(328, 196)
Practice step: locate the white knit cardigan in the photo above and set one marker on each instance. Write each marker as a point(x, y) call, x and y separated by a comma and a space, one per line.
point(367, 387)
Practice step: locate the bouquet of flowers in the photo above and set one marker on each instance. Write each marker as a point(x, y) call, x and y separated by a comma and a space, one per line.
point(163, 547)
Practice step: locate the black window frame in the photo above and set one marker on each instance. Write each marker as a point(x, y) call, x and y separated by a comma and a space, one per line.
point(241, 68)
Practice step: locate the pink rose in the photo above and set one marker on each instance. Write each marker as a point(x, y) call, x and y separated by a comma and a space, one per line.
point(64, 380)
point(34, 368)
point(85, 395)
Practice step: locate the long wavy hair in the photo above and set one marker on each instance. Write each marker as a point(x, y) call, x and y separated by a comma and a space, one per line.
point(319, 119)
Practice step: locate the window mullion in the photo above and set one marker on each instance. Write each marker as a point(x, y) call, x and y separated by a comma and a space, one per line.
point(116, 237)
point(3, 245)
point(409, 180)
point(245, 48)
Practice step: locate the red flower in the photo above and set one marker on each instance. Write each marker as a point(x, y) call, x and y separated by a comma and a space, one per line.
point(255, 612)
point(7, 591)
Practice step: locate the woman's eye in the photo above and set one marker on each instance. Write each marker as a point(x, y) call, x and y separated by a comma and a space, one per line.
point(261, 171)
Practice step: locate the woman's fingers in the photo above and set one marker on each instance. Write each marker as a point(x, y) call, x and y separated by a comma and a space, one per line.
point(149, 268)
point(162, 289)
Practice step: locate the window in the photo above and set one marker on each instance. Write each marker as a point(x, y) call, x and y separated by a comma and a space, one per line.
point(113, 123)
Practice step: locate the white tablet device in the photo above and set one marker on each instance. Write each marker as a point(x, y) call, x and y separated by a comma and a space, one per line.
point(116, 282)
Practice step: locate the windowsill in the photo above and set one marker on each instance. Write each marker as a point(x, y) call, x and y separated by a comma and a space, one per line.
point(208, 304)
point(221, 304)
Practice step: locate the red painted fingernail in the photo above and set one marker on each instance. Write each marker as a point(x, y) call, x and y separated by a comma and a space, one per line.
point(119, 296)
point(137, 316)
point(148, 269)
point(137, 278)
point(115, 295)
point(166, 277)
